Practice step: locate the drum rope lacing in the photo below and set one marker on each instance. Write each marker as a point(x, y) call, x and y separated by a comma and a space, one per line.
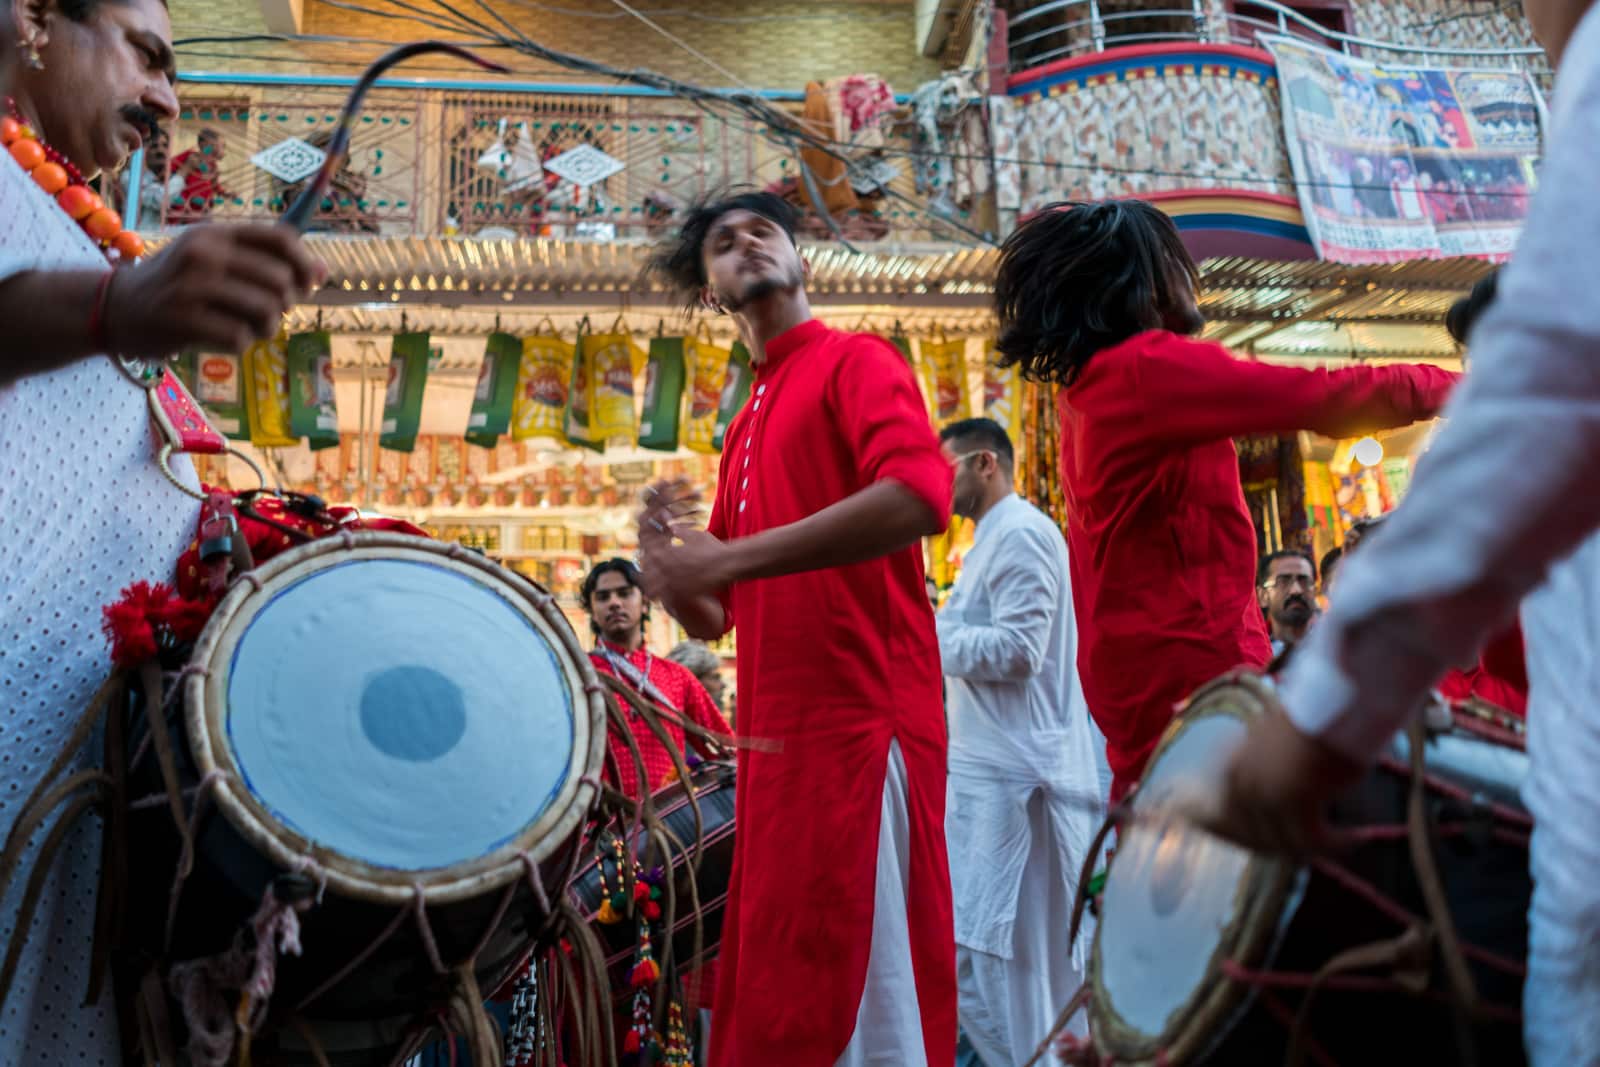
point(1418, 933)
point(580, 963)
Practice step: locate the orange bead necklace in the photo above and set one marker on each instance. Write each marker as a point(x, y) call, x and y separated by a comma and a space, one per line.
point(56, 175)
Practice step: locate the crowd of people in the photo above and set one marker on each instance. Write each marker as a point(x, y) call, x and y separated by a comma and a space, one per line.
point(916, 791)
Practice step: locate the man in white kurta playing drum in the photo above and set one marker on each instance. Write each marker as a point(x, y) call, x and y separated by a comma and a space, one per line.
point(84, 508)
point(1025, 781)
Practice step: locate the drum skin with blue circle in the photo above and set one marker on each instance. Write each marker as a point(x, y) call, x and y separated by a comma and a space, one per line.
point(408, 730)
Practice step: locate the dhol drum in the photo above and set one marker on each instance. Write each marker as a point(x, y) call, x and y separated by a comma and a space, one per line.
point(1206, 953)
point(398, 742)
point(712, 784)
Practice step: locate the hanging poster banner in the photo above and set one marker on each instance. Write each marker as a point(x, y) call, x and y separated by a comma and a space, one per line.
point(708, 370)
point(496, 393)
point(217, 381)
point(1397, 163)
point(735, 391)
point(540, 407)
point(663, 394)
point(578, 424)
point(312, 411)
point(266, 365)
point(402, 402)
point(613, 358)
point(1002, 393)
point(944, 376)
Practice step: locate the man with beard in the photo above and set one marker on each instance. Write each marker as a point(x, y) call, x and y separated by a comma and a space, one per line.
point(85, 509)
point(837, 945)
point(1024, 770)
point(617, 614)
point(1101, 298)
point(1285, 584)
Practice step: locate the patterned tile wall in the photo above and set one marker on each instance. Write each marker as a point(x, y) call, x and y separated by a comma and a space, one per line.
point(1216, 128)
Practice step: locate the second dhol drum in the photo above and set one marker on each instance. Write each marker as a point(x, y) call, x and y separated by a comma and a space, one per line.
point(1206, 953)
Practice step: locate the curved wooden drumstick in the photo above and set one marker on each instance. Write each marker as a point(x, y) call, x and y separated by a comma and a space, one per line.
point(299, 214)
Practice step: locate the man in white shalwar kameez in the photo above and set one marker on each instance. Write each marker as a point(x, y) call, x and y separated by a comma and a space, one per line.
point(1026, 790)
point(84, 508)
point(1504, 506)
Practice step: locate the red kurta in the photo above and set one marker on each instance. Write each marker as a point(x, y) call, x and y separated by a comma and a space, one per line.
point(683, 692)
point(1500, 676)
point(1163, 550)
point(833, 665)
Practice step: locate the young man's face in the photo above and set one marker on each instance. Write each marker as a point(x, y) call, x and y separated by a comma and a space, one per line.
point(1287, 593)
point(748, 256)
point(616, 607)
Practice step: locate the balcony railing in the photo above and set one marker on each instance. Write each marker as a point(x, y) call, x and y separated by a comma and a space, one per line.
point(1059, 29)
point(432, 160)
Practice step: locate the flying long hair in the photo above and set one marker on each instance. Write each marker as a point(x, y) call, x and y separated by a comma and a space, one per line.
point(679, 261)
point(1077, 278)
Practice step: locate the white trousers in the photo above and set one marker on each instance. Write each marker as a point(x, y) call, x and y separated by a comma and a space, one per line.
point(1007, 1006)
point(888, 1029)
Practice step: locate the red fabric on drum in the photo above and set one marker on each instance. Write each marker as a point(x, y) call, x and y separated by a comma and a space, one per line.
point(266, 540)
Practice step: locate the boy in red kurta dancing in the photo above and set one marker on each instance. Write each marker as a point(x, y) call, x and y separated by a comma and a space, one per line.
point(614, 597)
point(838, 943)
point(1101, 299)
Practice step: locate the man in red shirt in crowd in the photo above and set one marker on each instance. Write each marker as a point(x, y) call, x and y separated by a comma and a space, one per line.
point(617, 613)
point(838, 945)
point(1101, 300)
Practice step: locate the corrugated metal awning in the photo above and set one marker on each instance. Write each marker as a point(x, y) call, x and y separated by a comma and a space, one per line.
point(1304, 308)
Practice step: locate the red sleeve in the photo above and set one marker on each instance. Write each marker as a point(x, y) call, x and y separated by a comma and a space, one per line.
point(1505, 659)
point(883, 417)
point(1196, 391)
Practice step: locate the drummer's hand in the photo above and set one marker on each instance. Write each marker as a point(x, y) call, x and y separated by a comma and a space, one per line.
point(1276, 791)
point(216, 287)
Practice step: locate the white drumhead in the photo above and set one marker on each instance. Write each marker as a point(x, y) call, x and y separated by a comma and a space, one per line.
point(399, 713)
point(1171, 890)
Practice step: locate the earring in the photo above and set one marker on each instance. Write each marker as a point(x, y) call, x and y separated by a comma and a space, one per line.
point(31, 55)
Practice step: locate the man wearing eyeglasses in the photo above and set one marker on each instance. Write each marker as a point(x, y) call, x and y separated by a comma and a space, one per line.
point(1026, 761)
point(1286, 589)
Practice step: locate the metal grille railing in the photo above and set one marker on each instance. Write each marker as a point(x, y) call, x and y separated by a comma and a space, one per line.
point(427, 162)
point(1050, 30)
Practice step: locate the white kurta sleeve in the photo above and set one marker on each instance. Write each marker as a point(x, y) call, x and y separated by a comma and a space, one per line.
point(1508, 487)
point(1024, 586)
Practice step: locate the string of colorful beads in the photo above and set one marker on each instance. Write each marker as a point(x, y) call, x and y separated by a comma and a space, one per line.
point(56, 175)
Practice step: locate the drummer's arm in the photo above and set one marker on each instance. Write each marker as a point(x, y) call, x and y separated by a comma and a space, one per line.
point(702, 617)
point(1506, 490)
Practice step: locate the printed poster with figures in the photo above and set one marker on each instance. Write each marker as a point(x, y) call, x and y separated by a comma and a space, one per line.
point(1396, 163)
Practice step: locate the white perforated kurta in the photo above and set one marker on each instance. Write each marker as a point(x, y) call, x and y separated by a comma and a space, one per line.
point(83, 512)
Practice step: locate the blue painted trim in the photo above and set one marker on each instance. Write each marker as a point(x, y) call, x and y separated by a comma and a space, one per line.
point(1143, 61)
point(1292, 231)
point(342, 81)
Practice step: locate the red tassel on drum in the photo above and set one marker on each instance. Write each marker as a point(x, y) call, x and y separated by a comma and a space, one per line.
point(652, 911)
point(641, 890)
point(645, 973)
point(127, 623)
point(630, 1044)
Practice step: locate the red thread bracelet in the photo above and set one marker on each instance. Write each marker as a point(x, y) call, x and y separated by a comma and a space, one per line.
point(97, 314)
